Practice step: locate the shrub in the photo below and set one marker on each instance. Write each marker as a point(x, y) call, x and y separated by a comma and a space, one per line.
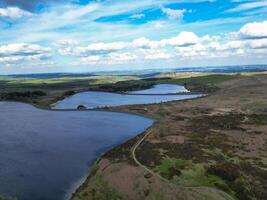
point(227, 171)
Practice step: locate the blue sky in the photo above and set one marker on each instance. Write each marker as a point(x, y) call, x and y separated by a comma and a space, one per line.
point(91, 35)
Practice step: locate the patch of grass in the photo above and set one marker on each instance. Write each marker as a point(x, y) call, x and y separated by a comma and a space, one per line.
point(187, 173)
point(7, 198)
point(93, 169)
point(208, 79)
point(206, 83)
point(100, 190)
point(225, 170)
point(196, 176)
point(242, 189)
point(168, 167)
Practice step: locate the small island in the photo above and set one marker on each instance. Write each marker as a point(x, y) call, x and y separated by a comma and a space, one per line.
point(81, 107)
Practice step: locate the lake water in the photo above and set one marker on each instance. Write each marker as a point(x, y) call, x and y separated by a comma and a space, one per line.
point(44, 153)
point(101, 99)
point(162, 89)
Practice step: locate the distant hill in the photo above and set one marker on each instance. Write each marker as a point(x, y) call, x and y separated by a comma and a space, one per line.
point(148, 72)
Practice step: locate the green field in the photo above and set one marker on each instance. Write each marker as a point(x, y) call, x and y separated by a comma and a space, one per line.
point(43, 92)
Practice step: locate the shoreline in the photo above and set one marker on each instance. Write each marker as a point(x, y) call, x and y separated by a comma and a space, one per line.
point(82, 180)
point(78, 186)
point(136, 138)
point(99, 158)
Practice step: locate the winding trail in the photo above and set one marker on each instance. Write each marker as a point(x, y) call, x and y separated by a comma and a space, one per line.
point(225, 195)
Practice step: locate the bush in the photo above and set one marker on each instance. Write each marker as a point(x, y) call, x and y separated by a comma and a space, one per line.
point(69, 93)
point(21, 96)
point(38, 93)
point(226, 171)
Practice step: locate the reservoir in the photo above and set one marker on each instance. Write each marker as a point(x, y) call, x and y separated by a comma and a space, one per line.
point(44, 153)
point(94, 99)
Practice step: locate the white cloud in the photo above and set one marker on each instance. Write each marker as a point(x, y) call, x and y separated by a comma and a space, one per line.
point(23, 51)
point(122, 57)
point(100, 48)
point(174, 14)
point(144, 43)
point(74, 12)
point(66, 46)
point(258, 44)
point(254, 30)
point(91, 59)
point(232, 45)
point(110, 59)
point(156, 54)
point(67, 42)
point(184, 46)
point(14, 13)
point(183, 39)
point(137, 16)
point(60, 25)
point(248, 6)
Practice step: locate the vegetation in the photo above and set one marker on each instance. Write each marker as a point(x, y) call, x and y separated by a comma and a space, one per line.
point(29, 90)
point(187, 173)
point(198, 84)
point(231, 173)
point(169, 168)
point(99, 191)
point(20, 96)
point(81, 107)
point(219, 141)
point(43, 92)
point(7, 198)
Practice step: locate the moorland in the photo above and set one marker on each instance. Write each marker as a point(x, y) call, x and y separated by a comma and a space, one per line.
point(212, 147)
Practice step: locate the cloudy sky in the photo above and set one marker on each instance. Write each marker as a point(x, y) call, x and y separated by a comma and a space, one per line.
point(83, 35)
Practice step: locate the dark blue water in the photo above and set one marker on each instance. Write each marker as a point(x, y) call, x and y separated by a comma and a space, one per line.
point(102, 99)
point(44, 153)
point(162, 89)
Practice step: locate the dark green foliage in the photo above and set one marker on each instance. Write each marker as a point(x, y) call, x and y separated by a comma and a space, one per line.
point(124, 86)
point(257, 119)
point(241, 189)
point(22, 95)
point(227, 171)
point(81, 107)
point(102, 191)
point(69, 93)
point(198, 84)
point(172, 167)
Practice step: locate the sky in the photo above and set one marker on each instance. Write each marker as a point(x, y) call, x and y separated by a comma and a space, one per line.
point(101, 35)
